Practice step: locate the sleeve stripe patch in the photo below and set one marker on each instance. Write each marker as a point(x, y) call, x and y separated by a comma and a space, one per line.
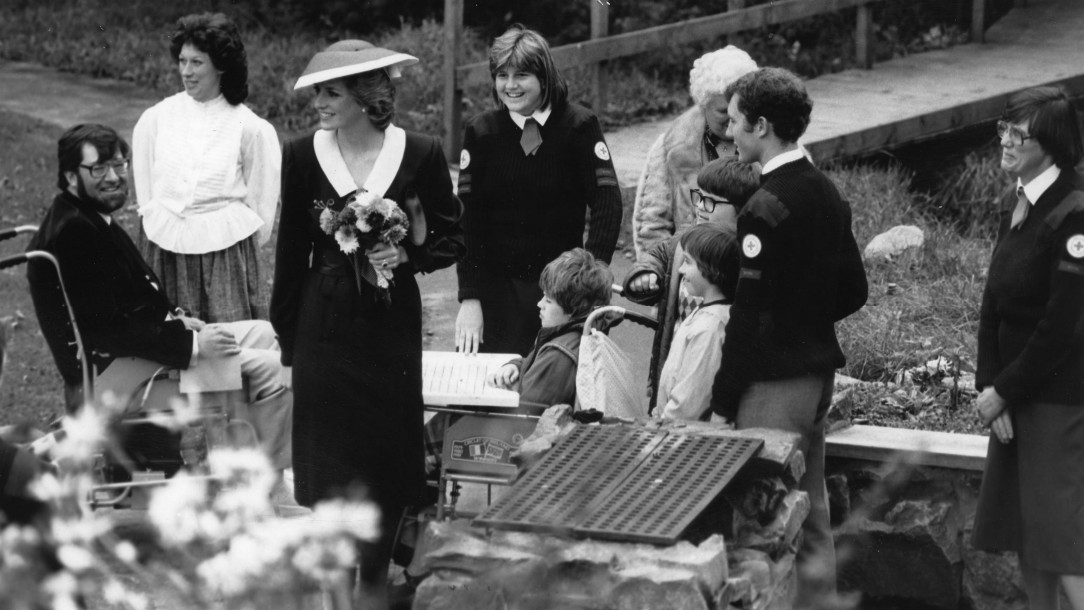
point(747, 273)
point(1076, 268)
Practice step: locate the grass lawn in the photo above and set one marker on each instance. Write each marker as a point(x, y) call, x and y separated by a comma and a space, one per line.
point(32, 389)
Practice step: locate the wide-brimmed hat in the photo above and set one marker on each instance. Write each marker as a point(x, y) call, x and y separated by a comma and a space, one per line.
point(348, 57)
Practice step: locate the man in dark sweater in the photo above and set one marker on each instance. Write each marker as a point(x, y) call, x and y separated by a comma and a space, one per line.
point(801, 272)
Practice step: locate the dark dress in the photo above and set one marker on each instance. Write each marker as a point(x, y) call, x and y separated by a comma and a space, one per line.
point(356, 360)
point(1031, 349)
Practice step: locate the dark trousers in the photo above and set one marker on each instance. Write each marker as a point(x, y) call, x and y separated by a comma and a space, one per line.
point(800, 405)
point(510, 316)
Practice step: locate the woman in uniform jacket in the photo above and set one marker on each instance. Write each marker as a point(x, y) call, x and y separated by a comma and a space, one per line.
point(1031, 353)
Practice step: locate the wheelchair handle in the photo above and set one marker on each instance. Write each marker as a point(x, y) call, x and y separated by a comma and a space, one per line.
point(9, 233)
point(12, 261)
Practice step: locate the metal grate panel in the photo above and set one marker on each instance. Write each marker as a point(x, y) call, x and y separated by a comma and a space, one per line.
point(669, 489)
point(621, 483)
point(583, 467)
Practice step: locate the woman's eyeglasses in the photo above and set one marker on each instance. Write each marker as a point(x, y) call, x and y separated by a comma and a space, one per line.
point(707, 202)
point(1016, 135)
point(99, 170)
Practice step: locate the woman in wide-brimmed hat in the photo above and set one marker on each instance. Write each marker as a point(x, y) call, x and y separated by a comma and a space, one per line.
point(354, 341)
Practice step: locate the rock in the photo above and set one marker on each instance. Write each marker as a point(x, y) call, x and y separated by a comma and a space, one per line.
point(839, 497)
point(894, 242)
point(578, 581)
point(784, 588)
point(648, 588)
point(456, 547)
point(992, 581)
point(750, 576)
point(757, 499)
point(780, 536)
point(913, 554)
point(450, 591)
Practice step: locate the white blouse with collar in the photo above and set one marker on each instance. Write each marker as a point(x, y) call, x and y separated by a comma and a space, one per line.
point(330, 158)
point(206, 174)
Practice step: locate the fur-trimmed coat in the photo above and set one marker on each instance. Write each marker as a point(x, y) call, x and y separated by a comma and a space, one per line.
point(663, 204)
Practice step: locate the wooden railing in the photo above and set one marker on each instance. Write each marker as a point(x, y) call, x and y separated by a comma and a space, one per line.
point(600, 47)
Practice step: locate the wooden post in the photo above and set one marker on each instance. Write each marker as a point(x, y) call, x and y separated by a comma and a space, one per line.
point(453, 93)
point(864, 37)
point(737, 40)
point(600, 28)
point(978, 21)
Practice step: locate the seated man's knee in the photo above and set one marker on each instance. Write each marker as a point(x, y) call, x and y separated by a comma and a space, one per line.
point(263, 370)
point(255, 334)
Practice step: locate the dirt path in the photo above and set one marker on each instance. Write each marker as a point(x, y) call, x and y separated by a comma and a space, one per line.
point(67, 99)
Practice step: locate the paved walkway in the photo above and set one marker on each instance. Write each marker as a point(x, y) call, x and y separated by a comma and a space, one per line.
point(922, 96)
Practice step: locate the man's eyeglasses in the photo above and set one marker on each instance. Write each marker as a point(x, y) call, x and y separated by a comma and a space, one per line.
point(706, 201)
point(1016, 135)
point(99, 170)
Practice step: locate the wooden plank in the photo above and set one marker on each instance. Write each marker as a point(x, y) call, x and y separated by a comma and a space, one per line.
point(978, 21)
point(663, 36)
point(919, 447)
point(600, 28)
point(453, 90)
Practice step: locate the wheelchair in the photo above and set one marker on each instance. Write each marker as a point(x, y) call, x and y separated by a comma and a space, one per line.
point(147, 452)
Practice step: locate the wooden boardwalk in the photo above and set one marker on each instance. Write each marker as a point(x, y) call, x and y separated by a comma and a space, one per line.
point(923, 96)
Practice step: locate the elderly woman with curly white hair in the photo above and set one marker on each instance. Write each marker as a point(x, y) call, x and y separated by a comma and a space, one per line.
point(663, 196)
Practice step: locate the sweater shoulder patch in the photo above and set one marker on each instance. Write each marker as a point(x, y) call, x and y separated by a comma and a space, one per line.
point(768, 209)
point(1072, 204)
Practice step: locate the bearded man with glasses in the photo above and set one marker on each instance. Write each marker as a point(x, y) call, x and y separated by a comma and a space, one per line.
point(119, 302)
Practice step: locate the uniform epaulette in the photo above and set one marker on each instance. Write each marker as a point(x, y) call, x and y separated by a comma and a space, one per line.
point(1073, 203)
point(768, 208)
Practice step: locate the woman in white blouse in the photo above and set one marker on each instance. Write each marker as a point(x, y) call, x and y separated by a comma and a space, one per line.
point(206, 172)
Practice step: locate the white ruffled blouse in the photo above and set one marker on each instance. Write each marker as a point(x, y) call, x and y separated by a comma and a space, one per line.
point(206, 174)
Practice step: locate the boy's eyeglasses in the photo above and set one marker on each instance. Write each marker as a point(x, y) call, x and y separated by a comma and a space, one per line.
point(1016, 135)
point(705, 201)
point(99, 170)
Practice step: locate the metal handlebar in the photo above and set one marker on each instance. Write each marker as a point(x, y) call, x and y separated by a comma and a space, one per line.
point(18, 259)
point(9, 233)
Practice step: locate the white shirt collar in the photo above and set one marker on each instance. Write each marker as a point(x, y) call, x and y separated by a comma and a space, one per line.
point(782, 159)
point(107, 218)
point(539, 115)
point(1040, 183)
point(326, 144)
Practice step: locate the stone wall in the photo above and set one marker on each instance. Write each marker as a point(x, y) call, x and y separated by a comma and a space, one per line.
point(903, 533)
point(739, 554)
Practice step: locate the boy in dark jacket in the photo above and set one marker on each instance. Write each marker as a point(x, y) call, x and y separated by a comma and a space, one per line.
point(572, 285)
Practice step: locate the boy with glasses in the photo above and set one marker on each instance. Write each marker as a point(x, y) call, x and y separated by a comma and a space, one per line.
point(724, 187)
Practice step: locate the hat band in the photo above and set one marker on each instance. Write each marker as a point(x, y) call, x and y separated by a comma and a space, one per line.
point(393, 62)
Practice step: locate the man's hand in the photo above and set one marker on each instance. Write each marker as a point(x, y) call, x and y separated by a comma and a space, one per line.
point(215, 342)
point(192, 323)
point(645, 283)
point(469, 327)
point(989, 405)
point(504, 377)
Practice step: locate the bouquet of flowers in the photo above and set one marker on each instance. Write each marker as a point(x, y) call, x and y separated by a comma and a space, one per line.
point(365, 221)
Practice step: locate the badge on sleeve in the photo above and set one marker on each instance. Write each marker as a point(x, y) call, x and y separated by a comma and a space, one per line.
point(1075, 246)
point(601, 151)
point(464, 159)
point(750, 246)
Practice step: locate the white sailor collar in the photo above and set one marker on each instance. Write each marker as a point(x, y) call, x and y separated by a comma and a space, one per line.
point(326, 144)
point(539, 115)
point(782, 159)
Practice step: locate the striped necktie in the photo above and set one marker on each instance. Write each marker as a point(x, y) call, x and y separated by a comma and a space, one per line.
point(531, 138)
point(1021, 210)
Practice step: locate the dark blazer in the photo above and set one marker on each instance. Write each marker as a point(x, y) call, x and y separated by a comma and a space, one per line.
point(118, 306)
